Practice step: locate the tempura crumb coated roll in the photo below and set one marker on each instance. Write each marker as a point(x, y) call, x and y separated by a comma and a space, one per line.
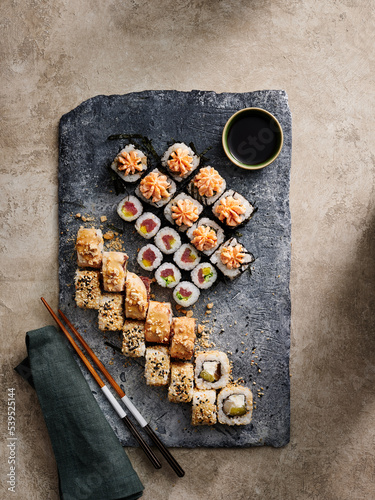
point(158, 322)
point(157, 366)
point(181, 386)
point(133, 338)
point(204, 410)
point(111, 312)
point(87, 289)
point(136, 299)
point(212, 370)
point(235, 405)
point(114, 271)
point(183, 338)
point(89, 247)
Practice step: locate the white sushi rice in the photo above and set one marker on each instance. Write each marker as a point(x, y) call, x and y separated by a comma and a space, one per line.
point(167, 231)
point(166, 157)
point(237, 196)
point(235, 390)
point(163, 281)
point(210, 277)
point(231, 273)
point(137, 204)
point(207, 222)
point(194, 191)
point(161, 203)
point(179, 297)
point(140, 221)
point(215, 356)
point(186, 266)
point(157, 261)
point(133, 177)
point(168, 209)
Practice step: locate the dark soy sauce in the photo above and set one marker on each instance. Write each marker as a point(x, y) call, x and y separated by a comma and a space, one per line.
point(254, 138)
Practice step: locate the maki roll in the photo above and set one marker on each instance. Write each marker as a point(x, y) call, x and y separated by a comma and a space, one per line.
point(157, 366)
point(233, 209)
point(183, 338)
point(156, 188)
point(136, 297)
point(206, 236)
point(158, 322)
point(87, 287)
point(130, 208)
point(149, 257)
point(186, 257)
point(232, 258)
point(168, 275)
point(235, 405)
point(147, 225)
point(180, 160)
point(168, 240)
point(204, 410)
point(133, 338)
point(89, 247)
point(183, 211)
point(129, 163)
point(111, 312)
point(186, 294)
point(204, 275)
point(114, 271)
point(207, 186)
point(181, 387)
point(212, 370)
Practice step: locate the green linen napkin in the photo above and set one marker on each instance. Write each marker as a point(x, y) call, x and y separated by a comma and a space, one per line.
point(91, 462)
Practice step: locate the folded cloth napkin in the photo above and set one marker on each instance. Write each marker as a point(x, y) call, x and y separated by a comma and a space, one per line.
point(91, 462)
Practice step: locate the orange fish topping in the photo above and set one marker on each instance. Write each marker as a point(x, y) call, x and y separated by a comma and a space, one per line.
point(130, 162)
point(204, 238)
point(154, 186)
point(181, 162)
point(184, 212)
point(232, 257)
point(208, 181)
point(231, 210)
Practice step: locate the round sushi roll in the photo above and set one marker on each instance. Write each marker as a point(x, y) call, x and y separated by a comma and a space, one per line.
point(156, 188)
point(207, 186)
point(183, 211)
point(130, 163)
point(149, 257)
point(186, 294)
point(130, 208)
point(180, 160)
point(235, 405)
point(147, 225)
point(206, 236)
point(168, 240)
point(232, 258)
point(186, 257)
point(233, 209)
point(204, 275)
point(212, 370)
point(168, 275)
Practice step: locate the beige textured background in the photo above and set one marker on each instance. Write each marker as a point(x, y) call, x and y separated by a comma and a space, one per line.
point(57, 53)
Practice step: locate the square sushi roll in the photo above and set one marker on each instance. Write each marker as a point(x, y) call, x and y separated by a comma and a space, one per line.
point(133, 338)
point(181, 387)
point(168, 240)
point(206, 235)
point(235, 405)
point(129, 208)
point(89, 247)
point(157, 366)
point(136, 297)
point(207, 186)
point(147, 225)
point(232, 258)
point(158, 322)
point(130, 163)
point(180, 161)
point(114, 271)
point(204, 409)
point(183, 338)
point(183, 211)
point(156, 189)
point(212, 370)
point(87, 286)
point(186, 257)
point(232, 209)
point(111, 312)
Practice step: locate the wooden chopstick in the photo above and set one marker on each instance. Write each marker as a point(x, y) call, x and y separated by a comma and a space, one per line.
point(129, 405)
point(118, 408)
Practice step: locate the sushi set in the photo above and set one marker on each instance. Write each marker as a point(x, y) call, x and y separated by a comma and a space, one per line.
point(190, 230)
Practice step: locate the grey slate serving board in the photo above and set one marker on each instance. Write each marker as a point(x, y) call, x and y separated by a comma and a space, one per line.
point(257, 304)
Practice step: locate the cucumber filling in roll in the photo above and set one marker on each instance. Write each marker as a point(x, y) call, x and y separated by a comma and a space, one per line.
point(235, 405)
point(211, 371)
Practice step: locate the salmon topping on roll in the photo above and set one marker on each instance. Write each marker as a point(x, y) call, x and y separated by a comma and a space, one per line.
point(130, 162)
point(232, 257)
point(184, 212)
point(208, 181)
point(180, 162)
point(204, 238)
point(230, 209)
point(155, 186)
